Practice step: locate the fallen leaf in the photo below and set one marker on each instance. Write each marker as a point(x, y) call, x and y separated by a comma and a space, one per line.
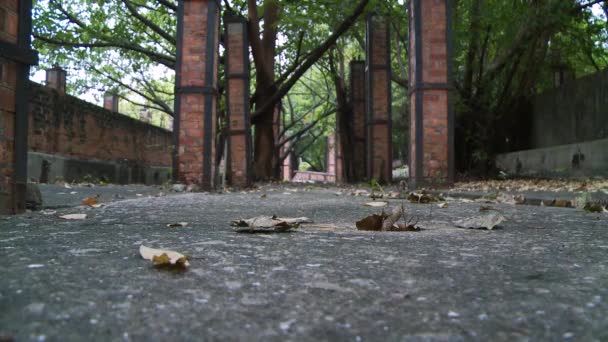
point(177, 225)
point(90, 201)
point(561, 203)
point(48, 212)
point(373, 223)
point(486, 208)
point(594, 208)
point(139, 195)
point(375, 196)
point(375, 204)
point(97, 206)
point(267, 224)
point(424, 197)
point(488, 221)
point(358, 193)
point(443, 205)
point(390, 220)
point(164, 258)
point(403, 227)
point(263, 196)
point(74, 217)
point(393, 194)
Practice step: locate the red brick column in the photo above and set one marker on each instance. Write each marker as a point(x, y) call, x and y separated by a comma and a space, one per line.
point(287, 167)
point(56, 79)
point(432, 136)
point(357, 96)
point(378, 101)
point(331, 155)
point(238, 159)
point(110, 102)
point(339, 160)
point(196, 92)
point(16, 57)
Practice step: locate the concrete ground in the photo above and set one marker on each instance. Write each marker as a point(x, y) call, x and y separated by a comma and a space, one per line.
point(542, 276)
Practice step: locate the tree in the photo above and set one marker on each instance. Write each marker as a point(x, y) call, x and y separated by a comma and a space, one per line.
point(119, 48)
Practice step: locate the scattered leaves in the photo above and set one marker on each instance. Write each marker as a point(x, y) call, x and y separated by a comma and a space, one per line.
point(164, 258)
point(488, 221)
point(423, 197)
point(177, 225)
point(379, 204)
point(74, 217)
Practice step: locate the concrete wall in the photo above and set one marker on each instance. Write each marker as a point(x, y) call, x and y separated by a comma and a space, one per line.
point(70, 139)
point(573, 160)
point(569, 133)
point(575, 112)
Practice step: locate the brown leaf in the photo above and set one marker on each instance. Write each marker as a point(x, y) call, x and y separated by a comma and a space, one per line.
point(373, 223)
point(443, 205)
point(91, 201)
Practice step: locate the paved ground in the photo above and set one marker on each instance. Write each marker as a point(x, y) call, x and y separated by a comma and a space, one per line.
point(543, 276)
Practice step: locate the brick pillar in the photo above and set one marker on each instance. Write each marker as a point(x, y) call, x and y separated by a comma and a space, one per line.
point(339, 160)
point(16, 57)
point(357, 95)
point(431, 126)
point(56, 79)
point(378, 100)
point(238, 159)
point(196, 92)
point(287, 168)
point(331, 154)
point(110, 102)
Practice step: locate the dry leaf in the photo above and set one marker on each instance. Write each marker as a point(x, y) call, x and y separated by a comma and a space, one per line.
point(403, 227)
point(90, 201)
point(267, 224)
point(561, 203)
point(163, 258)
point(390, 220)
point(594, 208)
point(263, 196)
point(423, 197)
point(443, 205)
point(97, 206)
point(375, 204)
point(177, 225)
point(74, 217)
point(393, 194)
point(488, 221)
point(373, 222)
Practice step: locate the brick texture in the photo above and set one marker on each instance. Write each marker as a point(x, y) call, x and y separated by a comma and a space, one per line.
point(287, 167)
point(357, 96)
point(67, 126)
point(378, 101)
point(8, 85)
point(430, 157)
point(238, 171)
point(196, 82)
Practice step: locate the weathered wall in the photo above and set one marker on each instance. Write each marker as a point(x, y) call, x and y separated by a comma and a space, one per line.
point(94, 141)
point(575, 112)
point(569, 132)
